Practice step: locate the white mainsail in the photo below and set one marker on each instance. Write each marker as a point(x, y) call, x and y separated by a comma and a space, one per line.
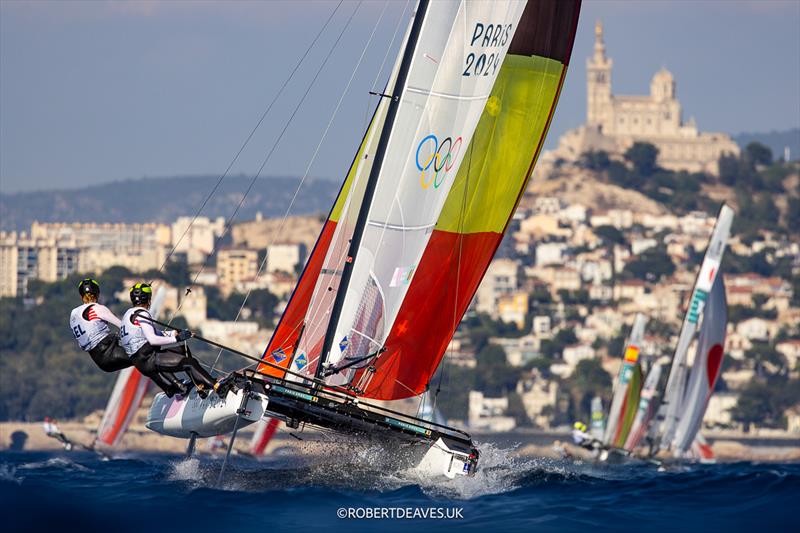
point(705, 369)
point(442, 101)
point(676, 384)
point(452, 69)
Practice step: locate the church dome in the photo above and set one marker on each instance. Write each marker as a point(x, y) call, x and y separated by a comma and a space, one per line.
point(663, 85)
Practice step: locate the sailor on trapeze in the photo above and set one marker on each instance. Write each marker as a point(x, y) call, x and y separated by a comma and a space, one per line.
point(144, 344)
point(89, 323)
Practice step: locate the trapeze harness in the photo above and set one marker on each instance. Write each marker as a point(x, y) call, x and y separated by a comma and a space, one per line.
point(89, 324)
point(146, 348)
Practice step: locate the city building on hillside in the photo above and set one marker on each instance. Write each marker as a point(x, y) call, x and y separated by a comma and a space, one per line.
point(520, 350)
point(137, 247)
point(489, 413)
point(631, 289)
point(458, 353)
point(614, 123)
point(576, 353)
point(791, 351)
point(24, 258)
point(537, 395)
point(234, 266)
point(285, 257)
point(565, 279)
point(718, 412)
point(501, 279)
point(547, 205)
point(736, 344)
point(542, 325)
point(642, 244)
point(513, 308)
point(550, 253)
point(755, 329)
point(196, 237)
point(738, 379)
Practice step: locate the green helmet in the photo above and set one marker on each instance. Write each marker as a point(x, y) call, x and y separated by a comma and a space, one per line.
point(141, 293)
point(89, 286)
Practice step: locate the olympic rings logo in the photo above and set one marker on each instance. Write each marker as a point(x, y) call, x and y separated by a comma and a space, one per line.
point(441, 159)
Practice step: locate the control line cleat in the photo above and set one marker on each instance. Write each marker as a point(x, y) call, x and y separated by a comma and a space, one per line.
point(225, 385)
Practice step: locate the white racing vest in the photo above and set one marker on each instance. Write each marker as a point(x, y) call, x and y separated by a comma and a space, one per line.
point(131, 336)
point(87, 327)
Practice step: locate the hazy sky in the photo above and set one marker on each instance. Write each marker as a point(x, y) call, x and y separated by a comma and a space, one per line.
point(99, 91)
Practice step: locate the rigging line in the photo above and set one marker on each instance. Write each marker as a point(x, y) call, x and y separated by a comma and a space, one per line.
point(250, 136)
point(229, 223)
point(383, 63)
point(310, 164)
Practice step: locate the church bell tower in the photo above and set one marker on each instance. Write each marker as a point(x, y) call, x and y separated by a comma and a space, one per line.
point(598, 78)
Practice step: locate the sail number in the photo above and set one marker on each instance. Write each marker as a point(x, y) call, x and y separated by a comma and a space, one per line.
point(482, 63)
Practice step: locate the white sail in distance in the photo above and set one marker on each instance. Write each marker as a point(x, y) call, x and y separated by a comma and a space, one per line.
point(705, 368)
point(676, 384)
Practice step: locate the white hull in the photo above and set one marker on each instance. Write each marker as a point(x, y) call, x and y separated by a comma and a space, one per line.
point(441, 459)
point(193, 416)
point(184, 417)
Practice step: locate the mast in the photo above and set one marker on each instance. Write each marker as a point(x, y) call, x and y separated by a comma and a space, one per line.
point(372, 183)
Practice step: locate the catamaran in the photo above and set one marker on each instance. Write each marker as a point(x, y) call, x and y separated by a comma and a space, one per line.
point(422, 210)
point(675, 423)
point(625, 396)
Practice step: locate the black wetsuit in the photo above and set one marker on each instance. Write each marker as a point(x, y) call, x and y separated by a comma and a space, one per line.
point(109, 355)
point(160, 364)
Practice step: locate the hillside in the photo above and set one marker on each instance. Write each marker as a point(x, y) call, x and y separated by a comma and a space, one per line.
point(586, 188)
point(775, 140)
point(164, 199)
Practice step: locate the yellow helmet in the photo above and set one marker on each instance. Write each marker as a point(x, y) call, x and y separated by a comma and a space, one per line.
point(579, 426)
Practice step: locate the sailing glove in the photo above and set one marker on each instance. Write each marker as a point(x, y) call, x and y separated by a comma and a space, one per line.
point(183, 335)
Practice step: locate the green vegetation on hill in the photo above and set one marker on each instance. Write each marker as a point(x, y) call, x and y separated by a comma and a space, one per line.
point(755, 177)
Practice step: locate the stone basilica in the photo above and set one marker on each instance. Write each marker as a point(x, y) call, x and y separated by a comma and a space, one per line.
point(614, 122)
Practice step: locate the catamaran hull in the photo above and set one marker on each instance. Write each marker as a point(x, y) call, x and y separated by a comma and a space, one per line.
point(185, 417)
point(433, 450)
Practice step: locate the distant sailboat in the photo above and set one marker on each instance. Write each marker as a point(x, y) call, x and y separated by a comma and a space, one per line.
point(686, 394)
point(627, 387)
point(426, 202)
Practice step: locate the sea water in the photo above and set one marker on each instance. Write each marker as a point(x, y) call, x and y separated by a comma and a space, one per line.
point(153, 492)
